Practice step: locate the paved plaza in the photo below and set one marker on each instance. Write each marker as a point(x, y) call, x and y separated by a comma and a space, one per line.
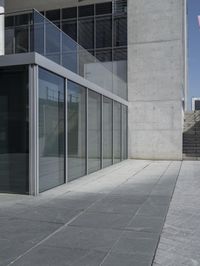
point(114, 217)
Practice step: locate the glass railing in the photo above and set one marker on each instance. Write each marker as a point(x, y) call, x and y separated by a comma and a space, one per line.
point(30, 31)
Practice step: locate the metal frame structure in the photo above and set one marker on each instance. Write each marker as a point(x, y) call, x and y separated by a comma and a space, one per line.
point(34, 61)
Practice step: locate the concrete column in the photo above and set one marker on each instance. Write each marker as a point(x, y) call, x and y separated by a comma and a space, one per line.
point(156, 78)
point(2, 28)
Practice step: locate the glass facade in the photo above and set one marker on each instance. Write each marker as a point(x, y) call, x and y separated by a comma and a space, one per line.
point(51, 130)
point(14, 130)
point(76, 102)
point(94, 131)
point(117, 128)
point(107, 132)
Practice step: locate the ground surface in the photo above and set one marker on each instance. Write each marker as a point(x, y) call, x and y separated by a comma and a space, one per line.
point(110, 218)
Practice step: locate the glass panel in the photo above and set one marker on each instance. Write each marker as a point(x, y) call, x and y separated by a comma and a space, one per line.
point(70, 28)
point(107, 132)
point(85, 11)
point(21, 39)
point(124, 132)
point(76, 130)
point(22, 19)
point(117, 132)
point(86, 33)
point(104, 55)
point(104, 32)
point(120, 31)
point(53, 14)
point(69, 53)
point(14, 130)
point(38, 33)
point(53, 41)
point(9, 40)
point(94, 131)
point(104, 8)
point(69, 13)
point(9, 21)
point(51, 130)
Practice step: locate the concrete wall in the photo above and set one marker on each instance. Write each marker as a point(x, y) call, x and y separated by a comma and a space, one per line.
point(156, 78)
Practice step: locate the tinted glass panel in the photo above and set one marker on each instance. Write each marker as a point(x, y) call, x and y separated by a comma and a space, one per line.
point(52, 42)
point(38, 33)
point(107, 132)
point(9, 21)
point(86, 33)
point(85, 11)
point(104, 55)
point(69, 13)
point(53, 14)
point(120, 31)
point(104, 32)
point(94, 132)
point(22, 19)
point(51, 130)
point(21, 39)
point(9, 40)
point(14, 130)
point(76, 130)
point(117, 132)
point(70, 28)
point(124, 132)
point(104, 8)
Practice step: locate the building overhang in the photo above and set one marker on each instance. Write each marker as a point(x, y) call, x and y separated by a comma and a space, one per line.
point(37, 59)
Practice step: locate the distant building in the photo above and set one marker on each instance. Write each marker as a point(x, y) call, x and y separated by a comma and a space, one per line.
point(195, 104)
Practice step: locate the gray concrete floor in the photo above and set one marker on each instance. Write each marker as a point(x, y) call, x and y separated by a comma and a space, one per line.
point(112, 217)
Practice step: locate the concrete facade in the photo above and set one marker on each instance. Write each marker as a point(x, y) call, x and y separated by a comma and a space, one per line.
point(156, 78)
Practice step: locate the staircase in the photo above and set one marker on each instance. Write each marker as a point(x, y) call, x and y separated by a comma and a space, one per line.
point(191, 136)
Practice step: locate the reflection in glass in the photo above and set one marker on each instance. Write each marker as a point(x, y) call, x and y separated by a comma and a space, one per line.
point(86, 33)
point(51, 130)
point(94, 131)
point(76, 130)
point(104, 32)
point(14, 130)
point(124, 132)
point(117, 132)
point(53, 42)
point(21, 39)
point(107, 132)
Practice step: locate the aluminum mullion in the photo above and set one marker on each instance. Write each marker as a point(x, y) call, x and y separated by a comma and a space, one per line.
point(33, 131)
point(101, 131)
point(66, 132)
point(86, 133)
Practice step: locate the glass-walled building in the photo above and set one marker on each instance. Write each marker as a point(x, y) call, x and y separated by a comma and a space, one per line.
point(56, 126)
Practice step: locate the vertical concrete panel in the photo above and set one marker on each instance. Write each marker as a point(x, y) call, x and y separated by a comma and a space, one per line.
point(155, 78)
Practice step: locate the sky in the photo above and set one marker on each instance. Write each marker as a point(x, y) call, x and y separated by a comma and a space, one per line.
point(193, 49)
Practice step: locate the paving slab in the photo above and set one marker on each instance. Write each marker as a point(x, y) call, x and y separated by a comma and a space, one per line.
point(179, 243)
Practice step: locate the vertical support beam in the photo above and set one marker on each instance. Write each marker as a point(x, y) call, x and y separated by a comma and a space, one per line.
point(113, 132)
point(86, 133)
point(2, 27)
point(186, 54)
point(122, 133)
point(33, 131)
point(101, 131)
point(66, 133)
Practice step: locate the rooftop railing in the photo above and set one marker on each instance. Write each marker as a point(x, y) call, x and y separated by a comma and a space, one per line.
point(30, 31)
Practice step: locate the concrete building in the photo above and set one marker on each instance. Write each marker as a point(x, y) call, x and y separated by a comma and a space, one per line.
point(86, 84)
